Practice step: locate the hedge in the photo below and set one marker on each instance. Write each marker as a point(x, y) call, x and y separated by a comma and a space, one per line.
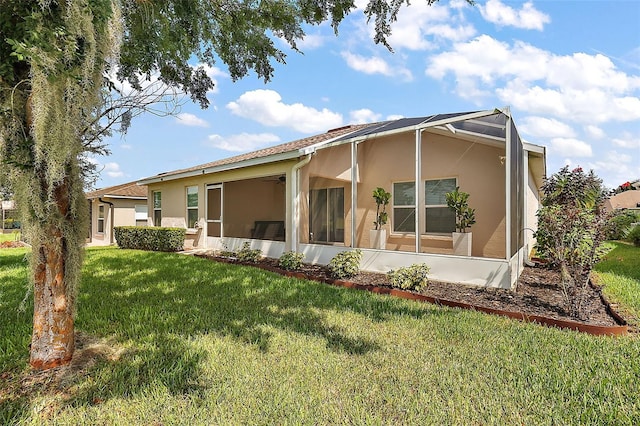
point(149, 238)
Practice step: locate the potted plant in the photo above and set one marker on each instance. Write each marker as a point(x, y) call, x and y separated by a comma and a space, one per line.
point(465, 217)
point(378, 235)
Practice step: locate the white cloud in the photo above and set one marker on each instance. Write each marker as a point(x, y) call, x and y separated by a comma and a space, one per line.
point(545, 127)
point(113, 170)
point(266, 107)
point(527, 17)
point(394, 117)
point(420, 26)
point(243, 142)
point(311, 42)
point(362, 116)
point(126, 146)
point(615, 168)
point(571, 147)
point(192, 120)
point(627, 141)
point(375, 65)
point(594, 131)
point(214, 73)
point(578, 87)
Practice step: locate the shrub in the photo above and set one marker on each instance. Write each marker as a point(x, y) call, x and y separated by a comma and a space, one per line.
point(345, 264)
point(571, 229)
point(619, 224)
point(246, 254)
point(414, 277)
point(291, 260)
point(634, 236)
point(149, 238)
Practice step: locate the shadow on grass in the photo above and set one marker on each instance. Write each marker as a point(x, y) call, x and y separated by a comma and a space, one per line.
point(158, 304)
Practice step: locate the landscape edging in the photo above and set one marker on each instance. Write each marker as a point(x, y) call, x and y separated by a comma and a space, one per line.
point(596, 330)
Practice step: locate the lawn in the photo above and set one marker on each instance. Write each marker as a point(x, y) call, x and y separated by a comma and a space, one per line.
point(189, 341)
point(8, 237)
point(619, 273)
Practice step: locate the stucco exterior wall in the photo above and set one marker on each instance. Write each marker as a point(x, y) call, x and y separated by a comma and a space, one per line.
point(123, 214)
point(381, 162)
point(174, 202)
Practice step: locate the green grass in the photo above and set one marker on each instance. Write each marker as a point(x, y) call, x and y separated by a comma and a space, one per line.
point(9, 237)
point(619, 273)
point(207, 343)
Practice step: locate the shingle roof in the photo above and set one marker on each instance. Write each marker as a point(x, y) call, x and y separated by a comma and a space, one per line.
point(125, 190)
point(273, 150)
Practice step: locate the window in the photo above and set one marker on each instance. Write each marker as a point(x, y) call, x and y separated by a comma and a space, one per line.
point(157, 208)
point(404, 205)
point(141, 214)
point(101, 219)
point(327, 215)
point(192, 206)
point(438, 217)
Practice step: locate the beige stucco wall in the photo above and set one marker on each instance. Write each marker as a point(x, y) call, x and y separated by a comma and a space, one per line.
point(123, 214)
point(477, 168)
point(251, 200)
point(174, 204)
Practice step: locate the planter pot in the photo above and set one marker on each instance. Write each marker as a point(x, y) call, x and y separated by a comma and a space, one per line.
point(378, 239)
point(462, 243)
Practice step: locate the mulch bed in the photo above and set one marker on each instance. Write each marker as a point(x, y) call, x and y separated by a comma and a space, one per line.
point(537, 293)
point(12, 244)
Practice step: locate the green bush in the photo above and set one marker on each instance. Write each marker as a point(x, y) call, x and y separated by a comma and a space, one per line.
point(246, 254)
point(345, 264)
point(149, 238)
point(291, 260)
point(634, 236)
point(619, 224)
point(414, 277)
point(11, 224)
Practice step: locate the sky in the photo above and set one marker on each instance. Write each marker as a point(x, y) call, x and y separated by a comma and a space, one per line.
point(568, 70)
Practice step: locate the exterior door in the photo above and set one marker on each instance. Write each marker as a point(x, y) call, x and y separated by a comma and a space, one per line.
point(214, 210)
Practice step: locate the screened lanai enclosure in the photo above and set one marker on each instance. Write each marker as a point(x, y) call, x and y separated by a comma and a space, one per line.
point(314, 195)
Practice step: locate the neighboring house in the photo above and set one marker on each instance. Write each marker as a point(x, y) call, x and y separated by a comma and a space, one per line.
point(9, 214)
point(120, 205)
point(314, 195)
point(623, 200)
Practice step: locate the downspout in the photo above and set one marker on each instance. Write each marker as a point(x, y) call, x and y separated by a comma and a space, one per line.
point(110, 217)
point(295, 198)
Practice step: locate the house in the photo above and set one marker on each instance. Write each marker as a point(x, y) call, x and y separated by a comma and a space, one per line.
point(623, 200)
point(9, 213)
point(314, 195)
point(120, 205)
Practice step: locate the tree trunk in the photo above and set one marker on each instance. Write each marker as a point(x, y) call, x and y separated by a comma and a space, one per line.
point(52, 342)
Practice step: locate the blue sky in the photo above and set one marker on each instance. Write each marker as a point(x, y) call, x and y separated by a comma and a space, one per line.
point(569, 70)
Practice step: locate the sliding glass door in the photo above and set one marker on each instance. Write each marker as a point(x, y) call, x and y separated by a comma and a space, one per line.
point(327, 215)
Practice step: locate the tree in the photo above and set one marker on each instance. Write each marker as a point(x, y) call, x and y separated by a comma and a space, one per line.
point(571, 228)
point(54, 98)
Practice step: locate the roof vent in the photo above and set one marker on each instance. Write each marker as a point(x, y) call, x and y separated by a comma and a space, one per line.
point(339, 128)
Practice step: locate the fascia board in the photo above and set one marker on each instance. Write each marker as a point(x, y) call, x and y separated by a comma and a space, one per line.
point(223, 168)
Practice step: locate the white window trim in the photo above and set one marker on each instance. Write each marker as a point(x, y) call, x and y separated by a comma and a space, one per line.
point(426, 206)
point(422, 206)
point(404, 206)
point(101, 219)
point(186, 201)
point(153, 202)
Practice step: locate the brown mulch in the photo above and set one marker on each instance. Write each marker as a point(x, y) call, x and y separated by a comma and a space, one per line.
point(12, 244)
point(537, 293)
